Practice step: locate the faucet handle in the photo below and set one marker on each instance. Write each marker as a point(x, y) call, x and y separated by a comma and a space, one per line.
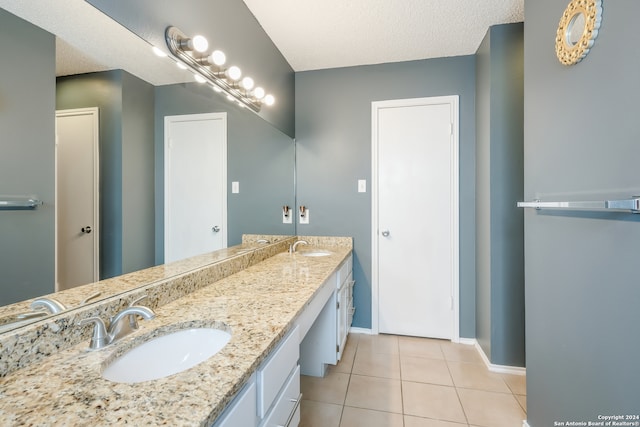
point(136, 301)
point(100, 337)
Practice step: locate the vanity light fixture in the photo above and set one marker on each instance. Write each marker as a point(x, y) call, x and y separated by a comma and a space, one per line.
point(208, 67)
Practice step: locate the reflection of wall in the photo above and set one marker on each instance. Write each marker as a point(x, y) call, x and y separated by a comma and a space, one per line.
point(499, 185)
point(582, 140)
point(259, 157)
point(27, 123)
point(333, 134)
point(126, 164)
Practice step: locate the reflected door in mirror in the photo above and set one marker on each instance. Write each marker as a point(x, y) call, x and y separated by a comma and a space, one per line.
point(76, 197)
point(195, 185)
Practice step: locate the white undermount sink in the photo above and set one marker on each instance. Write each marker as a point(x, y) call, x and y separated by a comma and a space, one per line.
point(316, 253)
point(166, 355)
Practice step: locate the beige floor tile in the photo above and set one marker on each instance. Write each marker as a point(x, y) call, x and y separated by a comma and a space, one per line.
point(432, 401)
point(420, 347)
point(330, 389)
point(410, 421)
point(471, 375)
point(517, 383)
point(378, 344)
point(377, 364)
point(522, 400)
point(485, 408)
point(382, 394)
point(461, 353)
point(423, 370)
point(318, 414)
point(357, 417)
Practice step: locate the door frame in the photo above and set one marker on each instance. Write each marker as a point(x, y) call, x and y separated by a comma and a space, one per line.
point(184, 118)
point(94, 112)
point(376, 106)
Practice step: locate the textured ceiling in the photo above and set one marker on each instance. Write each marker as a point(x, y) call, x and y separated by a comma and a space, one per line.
point(310, 34)
point(314, 34)
point(87, 41)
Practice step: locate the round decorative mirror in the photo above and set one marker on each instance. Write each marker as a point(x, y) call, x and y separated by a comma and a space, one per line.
point(578, 30)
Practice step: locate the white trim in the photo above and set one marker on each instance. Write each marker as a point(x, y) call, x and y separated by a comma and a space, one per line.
point(525, 423)
point(467, 341)
point(501, 369)
point(354, 330)
point(191, 117)
point(95, 113)
point(455, 192)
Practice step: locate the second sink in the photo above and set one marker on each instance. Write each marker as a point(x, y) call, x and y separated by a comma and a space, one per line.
point(167, 355)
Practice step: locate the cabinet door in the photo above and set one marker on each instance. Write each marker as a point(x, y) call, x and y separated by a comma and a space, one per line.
point(343, 318)
point(242, 410)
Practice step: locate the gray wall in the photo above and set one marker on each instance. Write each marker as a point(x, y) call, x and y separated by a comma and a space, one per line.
point(582, 141)
point(499, 185)
point(333, 137)
point(125, 106)
point(259, 157)
point(27, 123)
point(138, 216)
point(230, 27)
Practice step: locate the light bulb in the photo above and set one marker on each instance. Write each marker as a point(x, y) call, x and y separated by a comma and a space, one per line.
point(199, 78)
point(269, 100)
point(217, 57)
point(159, 52)
point(233, 73)
point(199, 44)
point(258, 93)
point(247, 83)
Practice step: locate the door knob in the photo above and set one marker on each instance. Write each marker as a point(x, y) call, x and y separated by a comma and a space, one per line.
point(385, 233)
point(86, 229)
point(215, 228)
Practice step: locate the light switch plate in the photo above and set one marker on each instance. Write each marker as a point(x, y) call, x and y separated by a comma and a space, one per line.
point(235, 187)
point(287, 219)
point(304, 219)
point(362, 186)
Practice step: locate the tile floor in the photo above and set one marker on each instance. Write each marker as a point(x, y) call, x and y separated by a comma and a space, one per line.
point(394, 381)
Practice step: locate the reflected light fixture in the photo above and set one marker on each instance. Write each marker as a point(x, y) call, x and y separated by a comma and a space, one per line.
point(208, 67)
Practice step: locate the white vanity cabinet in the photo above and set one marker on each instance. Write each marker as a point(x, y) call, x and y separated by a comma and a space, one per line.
point(326, 338)
point(271, 397)
point(344, 305)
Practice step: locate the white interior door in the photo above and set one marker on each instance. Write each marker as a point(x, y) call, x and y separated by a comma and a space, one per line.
point(415, 185)
point(77, 179)
point(195, 185)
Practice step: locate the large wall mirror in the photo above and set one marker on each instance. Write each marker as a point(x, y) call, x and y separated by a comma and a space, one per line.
point(48, 65)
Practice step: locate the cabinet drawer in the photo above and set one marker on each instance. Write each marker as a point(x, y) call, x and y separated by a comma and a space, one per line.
point(274, 372)
point(287, 406)
point(343, 272)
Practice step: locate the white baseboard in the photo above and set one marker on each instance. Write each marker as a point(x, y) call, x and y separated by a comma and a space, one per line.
point(525, 423)
point(354, 330)
point(501, 369)
point(467, 341)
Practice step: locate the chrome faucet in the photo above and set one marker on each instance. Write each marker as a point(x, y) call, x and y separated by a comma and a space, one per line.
point(53, 306)
point(121, 325)
point(293, 247)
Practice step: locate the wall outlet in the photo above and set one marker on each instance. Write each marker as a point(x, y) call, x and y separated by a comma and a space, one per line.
point(287, 219)
point(304, 219)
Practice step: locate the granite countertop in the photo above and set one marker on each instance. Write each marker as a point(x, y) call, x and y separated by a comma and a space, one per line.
point(258, 305)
